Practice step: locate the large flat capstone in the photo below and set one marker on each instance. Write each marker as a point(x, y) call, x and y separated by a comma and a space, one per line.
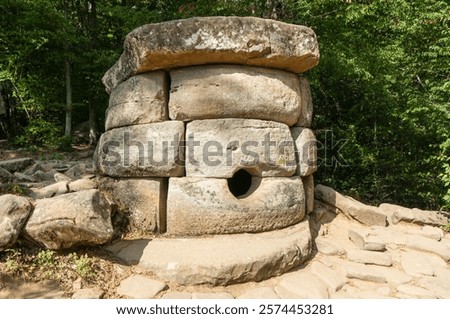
point(231, 91)
point(147, 150)
point(220, 259)
point(214, 40)
point(219, 148)
point(197, 206)
point(139, 100)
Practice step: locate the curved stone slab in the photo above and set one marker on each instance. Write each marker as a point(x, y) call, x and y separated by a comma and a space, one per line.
point(198, 206)
point(306, 109)
point(231, 91)
point(139, 100)
point(212, 40)
point(147, 150)
point(219, 148)
point(220, 259)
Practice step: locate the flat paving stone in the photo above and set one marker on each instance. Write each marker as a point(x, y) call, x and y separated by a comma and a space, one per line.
point(177, 295)
point(88, 293)
point(329, 247)
point(140, 287)
point(369, 257)
point(415, 292)
point(259, 293)
point(301, 285)
point(212, 295)
point(333, 279)
point(416, 265)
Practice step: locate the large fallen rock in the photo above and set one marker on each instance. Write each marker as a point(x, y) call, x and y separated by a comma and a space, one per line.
point(17, 164)
point(219, 148)
point(415, 216)
point(365, 214)
point(198, 206)
point(232, 91)
point(209, 40)
point(14, 212)
point(81, 218)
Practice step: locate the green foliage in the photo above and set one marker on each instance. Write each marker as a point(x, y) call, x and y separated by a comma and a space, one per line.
point(83, 265)
point(382, 84)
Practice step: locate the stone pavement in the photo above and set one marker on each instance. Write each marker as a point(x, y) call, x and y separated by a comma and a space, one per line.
point(349, 260)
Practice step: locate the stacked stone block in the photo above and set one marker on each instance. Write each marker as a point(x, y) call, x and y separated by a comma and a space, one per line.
point(208, 128)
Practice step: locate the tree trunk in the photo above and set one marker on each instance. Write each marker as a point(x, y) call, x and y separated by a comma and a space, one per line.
point(68, 131)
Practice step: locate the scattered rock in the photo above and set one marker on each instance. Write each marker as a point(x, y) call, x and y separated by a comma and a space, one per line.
point(76, 171)
point(33, 169)
point(141, 99)
point(429, 245)
point(212, 40)
point(82, 185)
point(417, 216)
point(81, 218)
point(24, 178)
point(333, 279)
point(43, 176)
point(5, 176)
point(415, 292)
point(364, 272)
point(14, 212)
point(198, 206)
point(177, 295)
point(88, 293)
point(17, 164)
point(327, 246)
point(50, 191)
point(218, 91)
point(59, 177)
point(259, 293)
point(219, 148)
point(211, 295)
point(365, 214)
point(140, 287)
point(416, 265)
point(365, 241)
point(369, 257)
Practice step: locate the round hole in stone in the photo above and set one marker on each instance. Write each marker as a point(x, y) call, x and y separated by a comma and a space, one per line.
point(240, 183)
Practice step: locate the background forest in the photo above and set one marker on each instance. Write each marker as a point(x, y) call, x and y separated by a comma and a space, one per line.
point(381, 91)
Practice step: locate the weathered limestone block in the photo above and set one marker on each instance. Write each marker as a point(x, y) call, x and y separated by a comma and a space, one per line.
point(51, 190)
point(306, 150)
point(219, 148)
point(418, 216)
point(208, 40)
point(141, 99)
point(364, 240)
point(144, 201)
point(14, 212)
point(231, 91)
point(81, 218)
point(306, 109)
point(17, 164)
point(5, 176)
point(147, 150)
point(365, 214)
point(308, 184)
point(197, 206)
